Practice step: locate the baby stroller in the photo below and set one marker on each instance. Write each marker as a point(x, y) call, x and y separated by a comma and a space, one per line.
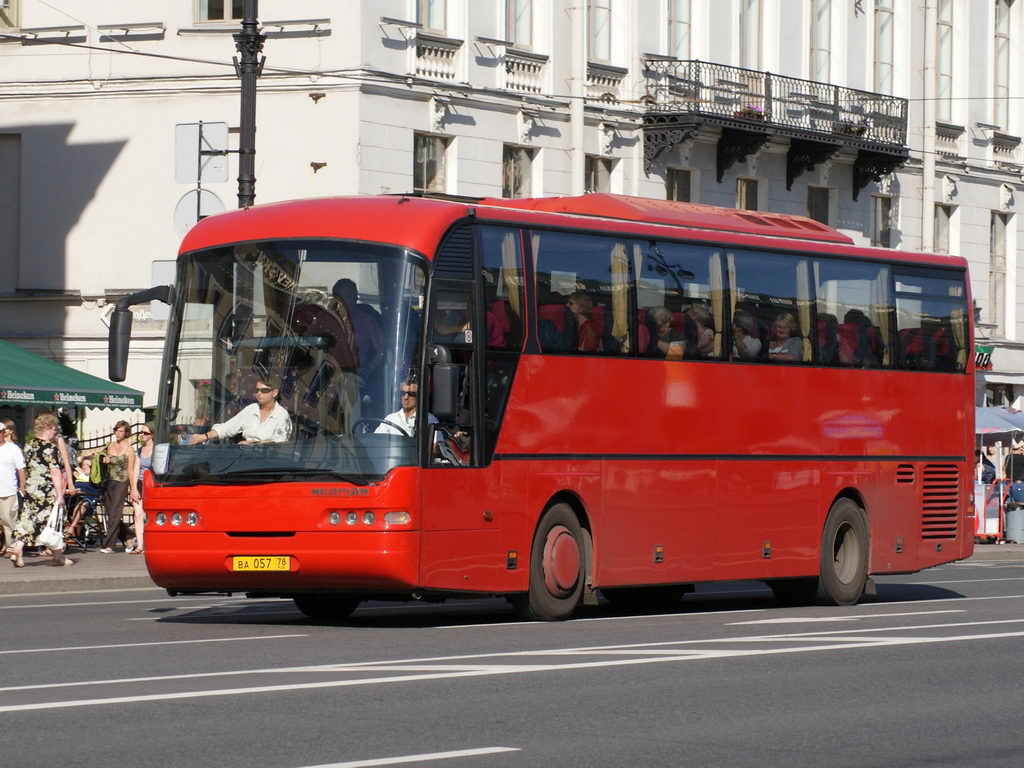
point(84, 528)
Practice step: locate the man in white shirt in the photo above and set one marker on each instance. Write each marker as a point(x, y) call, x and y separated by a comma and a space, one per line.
point(404, 419)
point(12, 482)
point(264, 421)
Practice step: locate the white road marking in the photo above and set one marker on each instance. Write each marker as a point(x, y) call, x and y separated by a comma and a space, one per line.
point(13, 595)
point(166, 600)
point(643, 654)
point(419, 758)
point(143, 645)
point(523, 623)
point(964, 581)
point(823, 619)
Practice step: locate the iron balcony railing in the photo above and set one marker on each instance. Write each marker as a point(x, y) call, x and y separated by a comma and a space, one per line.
point(764, 101)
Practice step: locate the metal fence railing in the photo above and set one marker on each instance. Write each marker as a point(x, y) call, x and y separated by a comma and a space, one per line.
point(718, 90)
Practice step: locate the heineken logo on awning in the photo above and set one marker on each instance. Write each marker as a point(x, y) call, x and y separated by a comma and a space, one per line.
point(118, 400)
point(69, 397)
point(16, 394)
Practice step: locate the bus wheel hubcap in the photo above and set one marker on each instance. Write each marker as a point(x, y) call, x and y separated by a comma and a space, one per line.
point(561, 561)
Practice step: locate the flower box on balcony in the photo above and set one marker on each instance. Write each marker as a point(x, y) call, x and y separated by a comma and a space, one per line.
point(852, 129)
point(750, 113)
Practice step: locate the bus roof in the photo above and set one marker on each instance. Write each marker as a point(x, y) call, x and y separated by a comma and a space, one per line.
point(419, 223)
point(677, 214)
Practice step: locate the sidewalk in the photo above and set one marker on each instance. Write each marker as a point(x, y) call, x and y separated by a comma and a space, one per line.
point(94, 571)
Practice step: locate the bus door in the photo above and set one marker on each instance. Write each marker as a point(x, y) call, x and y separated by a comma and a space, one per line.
point(463, 502)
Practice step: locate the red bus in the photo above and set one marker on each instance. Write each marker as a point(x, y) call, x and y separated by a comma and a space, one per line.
point(619, 395)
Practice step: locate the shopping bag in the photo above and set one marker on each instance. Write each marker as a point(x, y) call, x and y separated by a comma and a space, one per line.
point(52, 536)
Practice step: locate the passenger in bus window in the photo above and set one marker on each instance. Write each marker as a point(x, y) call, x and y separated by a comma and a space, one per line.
point(366, 323)
point(783, 343)
point(745, 345)
point(701, 315)
point(264, 421)
point(671, 343)
point(588, 335)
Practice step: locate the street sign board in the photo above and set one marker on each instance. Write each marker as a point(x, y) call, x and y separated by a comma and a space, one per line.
point(200, 153)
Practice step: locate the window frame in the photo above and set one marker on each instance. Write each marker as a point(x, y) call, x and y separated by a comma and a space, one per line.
point(513, 10)
point(884, 54)
point(509, 151)
point(944, 63)
point(820, 53)
point(227, 15)
point(599, 38)
point(423, 15)
point(445, 144)
point(1001, 68)
point(10, 14)
point(679, 20)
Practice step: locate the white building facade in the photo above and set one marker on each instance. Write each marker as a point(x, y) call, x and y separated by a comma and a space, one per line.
point(897, 122)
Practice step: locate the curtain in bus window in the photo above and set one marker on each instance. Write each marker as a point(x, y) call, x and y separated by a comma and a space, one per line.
point(576, 308)
point(503, 285)
point(679, 300)
point(854, 309)
point(930, 321)
point(620, 296)
point(773, 295)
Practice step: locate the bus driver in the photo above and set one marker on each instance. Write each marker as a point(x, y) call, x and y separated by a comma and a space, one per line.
point(264, 421)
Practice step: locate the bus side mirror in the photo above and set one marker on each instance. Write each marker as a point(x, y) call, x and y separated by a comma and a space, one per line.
point(444, 397)
point(118, 340)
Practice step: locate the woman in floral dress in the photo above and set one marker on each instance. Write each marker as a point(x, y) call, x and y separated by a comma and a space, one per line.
point(44, 486)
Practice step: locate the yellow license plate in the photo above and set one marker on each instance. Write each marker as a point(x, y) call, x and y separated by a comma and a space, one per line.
point(262, 563)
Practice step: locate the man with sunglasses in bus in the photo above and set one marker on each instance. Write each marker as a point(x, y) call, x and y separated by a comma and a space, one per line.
point(403, 421)
point(264, 421)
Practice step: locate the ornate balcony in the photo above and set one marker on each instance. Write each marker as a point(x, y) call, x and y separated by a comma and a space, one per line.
point(752, 107)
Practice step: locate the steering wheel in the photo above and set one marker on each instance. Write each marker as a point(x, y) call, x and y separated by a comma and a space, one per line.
point(363, 426)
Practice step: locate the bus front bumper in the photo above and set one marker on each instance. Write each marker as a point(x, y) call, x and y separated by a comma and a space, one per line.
point(377, 561)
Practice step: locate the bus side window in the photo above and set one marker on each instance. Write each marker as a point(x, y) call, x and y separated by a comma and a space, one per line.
point(854, 310)
point(931, 322)
point(776, 290)
point(501, 265)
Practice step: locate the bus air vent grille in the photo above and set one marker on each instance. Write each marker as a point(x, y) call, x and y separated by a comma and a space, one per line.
point(940, 501)
point(455, 259)
point(905, 473)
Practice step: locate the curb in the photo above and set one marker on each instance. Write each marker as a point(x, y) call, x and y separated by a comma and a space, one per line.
point(30, 584)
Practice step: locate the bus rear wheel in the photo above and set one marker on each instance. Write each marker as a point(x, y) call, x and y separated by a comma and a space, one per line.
point(326, 607)
point(844, 555)
point(556, 568)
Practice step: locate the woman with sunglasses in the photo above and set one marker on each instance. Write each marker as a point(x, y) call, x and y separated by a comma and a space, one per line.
point(264, 421)
point(145, 462)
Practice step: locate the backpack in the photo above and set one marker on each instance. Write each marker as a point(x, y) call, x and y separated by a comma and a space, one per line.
point(97, 472)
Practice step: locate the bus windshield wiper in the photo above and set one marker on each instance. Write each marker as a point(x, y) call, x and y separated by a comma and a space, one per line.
point(306, 473)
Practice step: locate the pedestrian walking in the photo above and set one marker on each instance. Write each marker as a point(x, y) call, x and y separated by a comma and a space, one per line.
point(12, 482)
point(120, 460)
point(145, 462)
point(44, 488)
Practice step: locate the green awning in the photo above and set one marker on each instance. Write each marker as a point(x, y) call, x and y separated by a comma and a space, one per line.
point(28, 379)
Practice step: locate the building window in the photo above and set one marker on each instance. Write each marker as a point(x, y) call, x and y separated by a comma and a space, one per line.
point(10, 13)
point(943, 219)
point(750, 34)
point(677, 184)
point(997, 272)
point(431, 14)
point(884, 48)
point(519, 22)
point(599, 30)
point(818, 202)
point(429, 163)
point(821, 40)
point(679, 29)
point(597, 174)
point(944, 62)
point(746, 194)
point(516, 171)
point(1001, 76)
point(882, 237)
point(219, 10)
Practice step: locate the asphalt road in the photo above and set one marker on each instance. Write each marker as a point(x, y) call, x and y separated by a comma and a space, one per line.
point(925, 674)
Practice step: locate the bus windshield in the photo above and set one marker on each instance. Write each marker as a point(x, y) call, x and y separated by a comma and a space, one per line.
point(330, 329)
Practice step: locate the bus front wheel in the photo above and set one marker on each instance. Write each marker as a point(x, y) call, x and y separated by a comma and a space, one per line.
point(556, 568)
point(326, 607)
point(844, 555)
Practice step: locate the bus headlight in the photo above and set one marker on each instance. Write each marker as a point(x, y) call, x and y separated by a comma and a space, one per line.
point(369, 518)
point(351, 518)
point(397, 518)
point(176, 518)
point(161, 518)
point(334, 518)
point(192, 518)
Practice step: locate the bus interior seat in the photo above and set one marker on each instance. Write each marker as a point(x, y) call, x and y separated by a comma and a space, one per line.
point(828, 343)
